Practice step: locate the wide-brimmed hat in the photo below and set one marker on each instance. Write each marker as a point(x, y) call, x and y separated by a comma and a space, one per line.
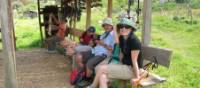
point(126, 21)
point(107, 21)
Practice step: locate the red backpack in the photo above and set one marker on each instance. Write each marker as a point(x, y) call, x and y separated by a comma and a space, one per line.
point(76, 76)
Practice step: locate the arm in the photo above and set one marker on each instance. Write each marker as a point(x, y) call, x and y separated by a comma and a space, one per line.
point(116, 35)
point(108, 47)
point(81, 37)
point(101, 42)
point(120, 56)
point(134, 56)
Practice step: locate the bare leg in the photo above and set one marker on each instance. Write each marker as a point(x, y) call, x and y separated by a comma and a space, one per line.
point(79, 60)
point(88, 72)
point(103, 81)
point(102, 70)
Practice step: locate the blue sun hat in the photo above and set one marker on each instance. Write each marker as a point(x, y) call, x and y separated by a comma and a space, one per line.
point(126, 21)
point(107, 21)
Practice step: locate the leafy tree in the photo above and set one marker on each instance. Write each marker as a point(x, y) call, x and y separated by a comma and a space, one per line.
point(180, 1)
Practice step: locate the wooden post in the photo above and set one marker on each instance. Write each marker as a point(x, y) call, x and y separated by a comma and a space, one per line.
point(109, 8)
point(88, 8)
point(146, 32)
point(75, 16)
point(39, 18)
point(8, 44)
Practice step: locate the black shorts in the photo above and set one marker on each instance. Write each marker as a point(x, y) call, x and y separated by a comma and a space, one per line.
point(86, 55)
point(93, 61)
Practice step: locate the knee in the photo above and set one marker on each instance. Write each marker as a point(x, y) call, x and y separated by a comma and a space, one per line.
point(78, 58)
point(102, 68)
point(103, 77)
point(90, 64)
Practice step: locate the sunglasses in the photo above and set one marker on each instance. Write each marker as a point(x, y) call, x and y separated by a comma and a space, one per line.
point(123, 26)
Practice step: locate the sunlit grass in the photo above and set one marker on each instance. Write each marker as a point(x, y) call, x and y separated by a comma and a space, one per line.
point(27, 33)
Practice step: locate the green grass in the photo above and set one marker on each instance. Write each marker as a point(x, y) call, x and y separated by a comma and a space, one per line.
point(27, 33)
point(184, 40)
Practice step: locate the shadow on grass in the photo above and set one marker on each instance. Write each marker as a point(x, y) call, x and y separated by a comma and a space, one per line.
point(34, 44)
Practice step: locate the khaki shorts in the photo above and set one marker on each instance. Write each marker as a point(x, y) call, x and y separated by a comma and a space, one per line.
point(117, 71)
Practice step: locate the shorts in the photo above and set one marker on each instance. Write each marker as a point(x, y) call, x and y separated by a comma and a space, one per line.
point(92, 62)
point(86, 55)
point(117, 71)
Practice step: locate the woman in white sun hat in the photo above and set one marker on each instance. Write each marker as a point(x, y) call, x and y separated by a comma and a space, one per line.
point(103, 47)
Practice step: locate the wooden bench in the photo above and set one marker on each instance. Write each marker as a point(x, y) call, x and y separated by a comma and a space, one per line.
point(162, 55)
point(155, 55)
point(158, 56)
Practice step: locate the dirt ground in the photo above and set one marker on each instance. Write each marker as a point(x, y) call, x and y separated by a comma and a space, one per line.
point(38, 69)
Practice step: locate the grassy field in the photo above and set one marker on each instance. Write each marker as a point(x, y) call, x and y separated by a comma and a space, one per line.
point(27, 33)
point(182, 38)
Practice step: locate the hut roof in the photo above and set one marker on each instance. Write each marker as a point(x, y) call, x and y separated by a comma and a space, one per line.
point(28, 1)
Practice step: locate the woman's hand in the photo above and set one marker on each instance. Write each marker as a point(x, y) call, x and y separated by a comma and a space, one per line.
point(100, 42)
point(135, 81)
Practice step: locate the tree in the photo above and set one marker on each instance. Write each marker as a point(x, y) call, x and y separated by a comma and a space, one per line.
point(180, 1)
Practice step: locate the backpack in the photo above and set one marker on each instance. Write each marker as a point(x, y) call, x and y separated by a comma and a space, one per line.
point(77, 76)
point(115, 54)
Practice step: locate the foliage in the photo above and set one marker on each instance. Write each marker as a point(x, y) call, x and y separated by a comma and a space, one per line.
point(166, 6)
point(27, 33)
point(195, 4)
point(180, 1)
point(20, 8)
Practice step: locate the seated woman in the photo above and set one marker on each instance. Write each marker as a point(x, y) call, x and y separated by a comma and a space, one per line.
point(103, 48)
point(88, 36)
point(130, 55)
point(99, 52)
point(84, 50)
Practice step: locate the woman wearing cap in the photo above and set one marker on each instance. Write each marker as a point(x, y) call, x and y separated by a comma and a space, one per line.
point(128, 69)
point(103, 48)
point(88, 36)
point(84, 50)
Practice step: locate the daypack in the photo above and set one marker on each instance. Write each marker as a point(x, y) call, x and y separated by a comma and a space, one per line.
point(115, 54)
point(76, 76)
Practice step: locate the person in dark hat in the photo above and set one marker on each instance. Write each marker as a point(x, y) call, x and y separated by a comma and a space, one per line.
point(87, 37)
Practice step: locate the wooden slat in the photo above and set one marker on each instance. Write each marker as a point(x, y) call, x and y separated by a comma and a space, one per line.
point(162, 55)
